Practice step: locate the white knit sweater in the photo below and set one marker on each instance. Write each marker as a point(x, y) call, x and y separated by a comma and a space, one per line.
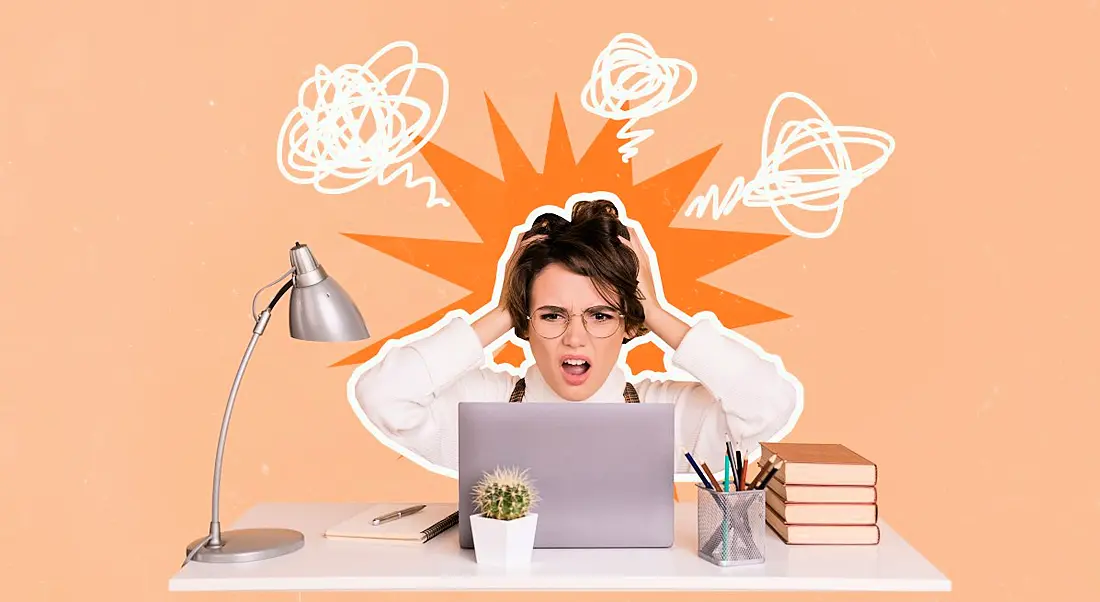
point(411, 396)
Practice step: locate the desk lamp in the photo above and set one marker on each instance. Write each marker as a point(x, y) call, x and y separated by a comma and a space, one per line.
point(320, 310)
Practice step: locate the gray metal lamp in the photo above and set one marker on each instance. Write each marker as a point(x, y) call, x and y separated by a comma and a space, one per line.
point(320, 310)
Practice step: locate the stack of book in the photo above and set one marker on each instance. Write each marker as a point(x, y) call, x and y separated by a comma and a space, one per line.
point(821, 494)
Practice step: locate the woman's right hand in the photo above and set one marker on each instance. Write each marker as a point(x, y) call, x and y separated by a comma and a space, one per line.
point(521, 244)
point(498, 322)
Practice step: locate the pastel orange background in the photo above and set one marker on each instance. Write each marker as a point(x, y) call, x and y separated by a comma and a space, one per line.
point(947, 330)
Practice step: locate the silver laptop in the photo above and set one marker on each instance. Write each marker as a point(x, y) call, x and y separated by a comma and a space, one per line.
point(604, 471)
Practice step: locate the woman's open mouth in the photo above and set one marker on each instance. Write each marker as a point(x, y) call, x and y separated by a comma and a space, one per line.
point(575, 369)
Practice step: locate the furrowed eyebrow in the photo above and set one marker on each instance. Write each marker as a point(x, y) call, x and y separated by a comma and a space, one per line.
point(606, 308)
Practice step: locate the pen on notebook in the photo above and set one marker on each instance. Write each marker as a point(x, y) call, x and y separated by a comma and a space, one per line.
point(698, 471)
point(713, 480)
point(396, 514)
point(771, 473)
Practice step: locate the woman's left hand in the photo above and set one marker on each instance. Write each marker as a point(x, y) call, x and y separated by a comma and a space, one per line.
point(645, 272)
point(665, 325)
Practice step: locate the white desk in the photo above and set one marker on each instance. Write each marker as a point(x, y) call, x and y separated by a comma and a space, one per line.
point(353, 565)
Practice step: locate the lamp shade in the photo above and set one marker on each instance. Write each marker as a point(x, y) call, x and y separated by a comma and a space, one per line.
point(320, 309)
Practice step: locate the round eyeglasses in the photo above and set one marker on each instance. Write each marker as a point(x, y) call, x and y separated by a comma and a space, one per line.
point(551, 322)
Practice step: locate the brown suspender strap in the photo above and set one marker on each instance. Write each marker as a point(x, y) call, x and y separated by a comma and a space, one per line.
point(630, 394)
point(517, 392)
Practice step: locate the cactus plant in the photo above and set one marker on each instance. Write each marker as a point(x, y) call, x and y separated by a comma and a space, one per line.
point(505, 494)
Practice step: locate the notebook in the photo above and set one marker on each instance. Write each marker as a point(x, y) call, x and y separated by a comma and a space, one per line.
point(422, 526)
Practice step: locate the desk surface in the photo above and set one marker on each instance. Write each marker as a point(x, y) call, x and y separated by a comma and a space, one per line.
point(362, 565)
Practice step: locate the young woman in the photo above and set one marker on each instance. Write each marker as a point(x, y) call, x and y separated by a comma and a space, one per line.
point(576, 290)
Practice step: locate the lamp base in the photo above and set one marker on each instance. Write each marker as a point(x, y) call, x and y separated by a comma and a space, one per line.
point(249, 545)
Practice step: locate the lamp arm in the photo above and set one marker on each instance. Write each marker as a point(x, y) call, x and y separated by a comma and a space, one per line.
point(255, 316)
point(215, 539)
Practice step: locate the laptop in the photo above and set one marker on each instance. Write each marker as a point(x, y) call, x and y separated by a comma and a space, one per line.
point(603, 471)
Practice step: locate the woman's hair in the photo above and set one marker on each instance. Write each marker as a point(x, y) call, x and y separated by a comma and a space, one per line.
point(587, 245)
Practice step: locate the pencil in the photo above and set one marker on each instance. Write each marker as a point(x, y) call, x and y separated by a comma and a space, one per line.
point(771, 473)
point(727, 463)
point(764, 467)
point(696, 467)
point(731, 463)
point(725, 523)
point(744, 473)
point(710, 475)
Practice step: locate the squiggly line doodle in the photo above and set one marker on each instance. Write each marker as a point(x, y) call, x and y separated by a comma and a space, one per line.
point(322, 140)
point(630, 71)
point(808, 189)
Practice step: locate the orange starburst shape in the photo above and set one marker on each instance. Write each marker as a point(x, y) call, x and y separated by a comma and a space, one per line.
point(494, 206)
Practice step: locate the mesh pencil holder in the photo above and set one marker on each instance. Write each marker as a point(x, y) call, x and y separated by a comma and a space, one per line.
point(731, 526)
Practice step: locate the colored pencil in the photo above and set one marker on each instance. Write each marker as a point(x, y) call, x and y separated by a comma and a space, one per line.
point(710, 475)
point(696, 467)
point(764, 468)
point(771, 473)
point(725, 522)
point(729, 458)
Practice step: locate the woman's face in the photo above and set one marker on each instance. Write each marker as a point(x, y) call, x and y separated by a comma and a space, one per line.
point(575, 363)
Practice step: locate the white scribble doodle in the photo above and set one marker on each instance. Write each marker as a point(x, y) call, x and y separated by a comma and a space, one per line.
point(324, 140)
point(775, 187)
point(629, 70)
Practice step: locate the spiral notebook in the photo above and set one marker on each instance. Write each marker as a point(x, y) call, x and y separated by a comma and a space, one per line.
point(422, 526)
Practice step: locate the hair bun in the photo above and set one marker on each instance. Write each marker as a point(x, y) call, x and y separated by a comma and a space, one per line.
point(598, 209)
point(598, 220)
point(548, 224)
point(591, 221)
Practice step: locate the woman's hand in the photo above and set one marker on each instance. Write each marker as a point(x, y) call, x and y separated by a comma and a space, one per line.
point(668, 327)
point(522, 244)
point(645, 273)
point(498, 322)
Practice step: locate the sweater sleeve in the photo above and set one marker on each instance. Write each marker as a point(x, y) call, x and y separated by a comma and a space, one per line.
point(738, 393)
point(411, 395)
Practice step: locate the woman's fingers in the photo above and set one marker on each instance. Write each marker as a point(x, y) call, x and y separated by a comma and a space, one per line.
point(523, 244)
point(633, 245)
point(636, 244)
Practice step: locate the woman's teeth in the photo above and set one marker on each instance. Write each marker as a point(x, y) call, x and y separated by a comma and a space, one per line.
point(575, 367)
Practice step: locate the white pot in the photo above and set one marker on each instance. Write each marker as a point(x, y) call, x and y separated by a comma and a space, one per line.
point(504, 542)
